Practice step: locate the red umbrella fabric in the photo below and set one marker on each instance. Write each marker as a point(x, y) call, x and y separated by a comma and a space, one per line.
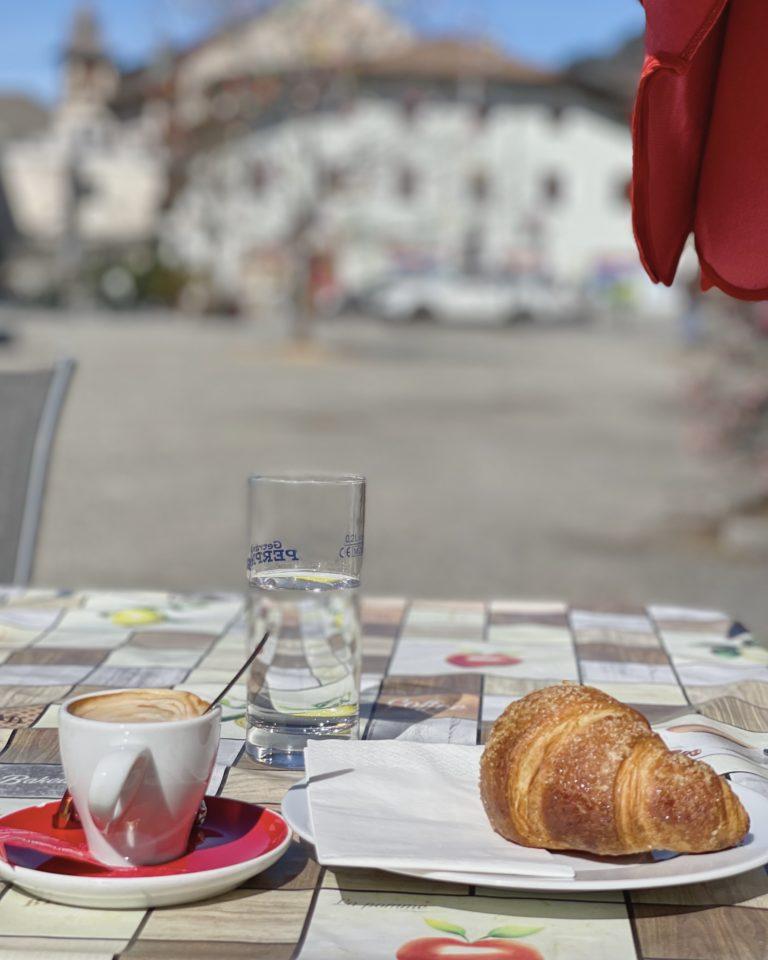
point(700, 132)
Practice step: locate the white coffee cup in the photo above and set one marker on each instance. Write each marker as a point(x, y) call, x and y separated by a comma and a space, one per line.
point(137, 786)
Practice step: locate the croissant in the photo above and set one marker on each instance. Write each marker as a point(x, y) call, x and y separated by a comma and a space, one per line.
point(570, 768)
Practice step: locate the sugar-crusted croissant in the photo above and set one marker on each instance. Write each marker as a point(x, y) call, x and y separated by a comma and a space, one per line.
point(570, 768)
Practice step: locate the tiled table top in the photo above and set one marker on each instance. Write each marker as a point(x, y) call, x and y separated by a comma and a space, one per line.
point(427, 675)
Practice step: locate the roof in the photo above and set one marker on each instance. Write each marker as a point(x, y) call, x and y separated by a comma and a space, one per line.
point(614, 76)
point(452, 57)
point(20, 116)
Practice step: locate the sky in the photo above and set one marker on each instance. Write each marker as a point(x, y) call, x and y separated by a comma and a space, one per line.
point(548, 32)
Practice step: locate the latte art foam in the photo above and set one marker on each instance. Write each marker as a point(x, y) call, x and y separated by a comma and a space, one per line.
point(140, 706)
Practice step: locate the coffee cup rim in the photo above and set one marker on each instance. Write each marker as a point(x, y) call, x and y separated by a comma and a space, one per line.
point(137, 724)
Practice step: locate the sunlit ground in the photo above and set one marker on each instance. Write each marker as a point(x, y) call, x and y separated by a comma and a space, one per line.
point(532, 462)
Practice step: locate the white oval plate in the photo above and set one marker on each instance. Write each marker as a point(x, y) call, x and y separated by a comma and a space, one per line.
point(596, 873)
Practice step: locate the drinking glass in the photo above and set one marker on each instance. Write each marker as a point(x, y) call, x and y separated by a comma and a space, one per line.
point(304, 563)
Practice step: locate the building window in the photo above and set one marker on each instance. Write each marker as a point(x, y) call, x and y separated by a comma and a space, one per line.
point(556, 112)
point(332, 179)
point(407, 183)
point(552, 188)
point(259, 177)
point(482, 112)
point(479, 186)
point(410, 104)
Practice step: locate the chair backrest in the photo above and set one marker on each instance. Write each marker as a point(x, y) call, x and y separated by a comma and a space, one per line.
point(30, 403)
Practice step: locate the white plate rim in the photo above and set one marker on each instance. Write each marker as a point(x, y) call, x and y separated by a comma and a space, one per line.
point(295, 810)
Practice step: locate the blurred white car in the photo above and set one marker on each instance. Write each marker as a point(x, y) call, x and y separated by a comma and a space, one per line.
point(468, 298)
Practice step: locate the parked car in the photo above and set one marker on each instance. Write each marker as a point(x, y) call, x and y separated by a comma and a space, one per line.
point(467, 298)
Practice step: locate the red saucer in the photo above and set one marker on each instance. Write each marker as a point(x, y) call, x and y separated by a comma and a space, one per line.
point(233, 833)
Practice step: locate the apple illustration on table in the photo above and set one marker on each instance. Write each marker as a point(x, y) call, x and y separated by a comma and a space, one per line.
point(473, 661)
point(501, 943)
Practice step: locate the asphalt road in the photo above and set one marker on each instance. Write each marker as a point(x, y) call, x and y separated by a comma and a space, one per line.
point(529, 462)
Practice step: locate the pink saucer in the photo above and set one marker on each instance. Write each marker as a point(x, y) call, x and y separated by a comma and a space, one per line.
point(236, 841)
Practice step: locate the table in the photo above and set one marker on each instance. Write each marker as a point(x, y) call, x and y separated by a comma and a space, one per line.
point(427, 674)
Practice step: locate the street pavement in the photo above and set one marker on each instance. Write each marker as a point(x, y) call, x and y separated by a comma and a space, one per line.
point(532, 462)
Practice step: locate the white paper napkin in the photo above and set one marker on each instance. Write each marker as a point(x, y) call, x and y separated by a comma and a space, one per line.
point(389, 804)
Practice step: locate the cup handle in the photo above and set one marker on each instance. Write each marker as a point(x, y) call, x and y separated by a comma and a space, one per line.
point(115, 783)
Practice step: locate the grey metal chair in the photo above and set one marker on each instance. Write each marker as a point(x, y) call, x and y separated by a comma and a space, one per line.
point(30, 404)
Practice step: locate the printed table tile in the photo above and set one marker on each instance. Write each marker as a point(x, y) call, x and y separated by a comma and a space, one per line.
point(49, 718)
point(601, 620)
point(736, 711)
point(254, 784)
point(203, 950)
point(119, 677)
point(107, 601)
point(77, 638)
point(662, 613)
point(258, 916)
point(382, 609)
point(627, 640)
point(603, 671)
point(589, 896)
point(620, 652)
point(83, 622)
point(530, 634)
point(746, 890)
point(379, 881)
point(31, 696)
point(528, 607)
point(750, 691)
point(75, 948)
point(453, 661)
point(726, 652)
point(37, 674)
point(22, 625)
point(15, 718)
point(379, 926)
point(57, 655)
point(33, 746)
point(664, 694)
point(21, 915)
point(494, 706)
point(11, 805)
point(170, 639)
point(700, 933)
point(296, 870)
point(377, 646)
point(409, 710)
point(659, 713)
point(382, 631)
point(43, 780)
point(226, 660)
point(706, 674)
point(514, 687)
point(129, 656)
point(438, 658)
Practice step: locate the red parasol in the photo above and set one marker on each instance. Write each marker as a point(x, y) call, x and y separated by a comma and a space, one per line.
point(700, 133)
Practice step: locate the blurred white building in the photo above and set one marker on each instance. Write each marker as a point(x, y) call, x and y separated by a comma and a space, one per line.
point(404, 154)
point(392, 180)
point(322, 137)
point(86, 179)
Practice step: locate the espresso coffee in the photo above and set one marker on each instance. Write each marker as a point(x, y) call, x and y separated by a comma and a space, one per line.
point(140, 706)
